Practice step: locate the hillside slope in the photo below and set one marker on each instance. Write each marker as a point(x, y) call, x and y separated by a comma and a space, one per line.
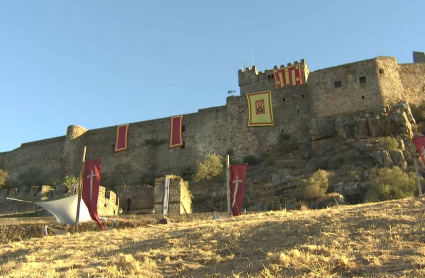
point(368, 240)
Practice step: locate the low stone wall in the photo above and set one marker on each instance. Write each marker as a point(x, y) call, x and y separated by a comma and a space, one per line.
point(108, 203)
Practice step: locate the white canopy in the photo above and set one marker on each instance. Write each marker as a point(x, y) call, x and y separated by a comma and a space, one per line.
point(65, 210)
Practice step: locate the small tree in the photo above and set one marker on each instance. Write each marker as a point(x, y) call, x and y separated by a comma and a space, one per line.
point(211, 167)
point(4, 175)
point(315, 186)
point(389, 184)
point(71, 182)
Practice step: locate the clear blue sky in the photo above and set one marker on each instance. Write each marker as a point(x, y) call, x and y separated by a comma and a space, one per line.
point(104, 63)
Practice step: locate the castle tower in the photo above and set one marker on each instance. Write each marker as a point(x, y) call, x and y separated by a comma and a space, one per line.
point(251, 81)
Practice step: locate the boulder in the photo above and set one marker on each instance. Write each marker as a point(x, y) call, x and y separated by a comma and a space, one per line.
point(321, 128)
point(382, 157)
point(398, 159)
point(344, 127)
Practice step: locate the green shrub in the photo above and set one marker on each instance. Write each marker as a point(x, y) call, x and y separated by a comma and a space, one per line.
point(389, 143)
point(4, 175)
point(316, 186)
point(211, 167)
point(391, 183)
point(251, 160)
point(72, 183)
point(418, 112)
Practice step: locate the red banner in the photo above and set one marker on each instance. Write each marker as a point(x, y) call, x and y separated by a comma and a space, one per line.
point(291, 75)
point(91, 183)
point(122, 138)
point(420, 145)
point(176, 132)
point(237, 187)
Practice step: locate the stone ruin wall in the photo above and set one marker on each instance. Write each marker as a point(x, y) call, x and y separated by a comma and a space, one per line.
point(108, 203)
point(180, 201)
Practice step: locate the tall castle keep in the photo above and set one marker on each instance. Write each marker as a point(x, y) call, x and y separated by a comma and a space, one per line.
point(370, 85)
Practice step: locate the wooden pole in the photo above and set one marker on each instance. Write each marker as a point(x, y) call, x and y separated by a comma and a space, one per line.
point(229, 211)
point(80, 187)
point(417, 176)
point(415, 163)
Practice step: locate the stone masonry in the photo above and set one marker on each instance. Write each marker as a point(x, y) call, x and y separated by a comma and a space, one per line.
point(359, 87)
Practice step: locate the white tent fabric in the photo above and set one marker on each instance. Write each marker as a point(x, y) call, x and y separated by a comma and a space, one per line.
point(65, 210)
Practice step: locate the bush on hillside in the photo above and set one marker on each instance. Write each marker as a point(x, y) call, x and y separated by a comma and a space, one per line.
point(4, 175)
point(316, 186)
point(418, 112)
point(211, 167)
point(389, 143)
point(391, 183)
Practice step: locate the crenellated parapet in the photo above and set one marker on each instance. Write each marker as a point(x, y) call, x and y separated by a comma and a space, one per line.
point(249, 75)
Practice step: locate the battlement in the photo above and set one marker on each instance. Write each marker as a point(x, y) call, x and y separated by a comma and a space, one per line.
point(252, 74)
point(251, 80)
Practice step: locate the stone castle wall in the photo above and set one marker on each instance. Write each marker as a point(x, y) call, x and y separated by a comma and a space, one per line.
point(366, 85)
point(413, 81)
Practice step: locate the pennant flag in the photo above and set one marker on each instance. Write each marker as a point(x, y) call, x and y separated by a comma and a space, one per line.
point(91, 183)
point(176, 132)
point(291, 75)
point(122, 138)
point(420, 145)
point(237, 187)
point(260, 109)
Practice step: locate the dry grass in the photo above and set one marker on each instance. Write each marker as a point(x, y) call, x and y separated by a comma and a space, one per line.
point(369, 240)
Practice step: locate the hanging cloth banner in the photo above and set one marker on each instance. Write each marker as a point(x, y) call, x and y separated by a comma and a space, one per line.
point(91, 183)
point(176, 132)
point(260, 109)
point(420, 145)
point(291, 75)
point(121, 143)
point(237, 187)
point(166, 196)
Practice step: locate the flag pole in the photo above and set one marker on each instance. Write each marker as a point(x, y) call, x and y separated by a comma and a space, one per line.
point(80, 187)
point(415, 163)
point(228, 186)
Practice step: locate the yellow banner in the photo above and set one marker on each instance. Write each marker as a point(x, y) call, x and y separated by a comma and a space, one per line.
point(260, 109)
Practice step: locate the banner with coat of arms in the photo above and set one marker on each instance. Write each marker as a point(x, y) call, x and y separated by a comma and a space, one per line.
point(260, 109)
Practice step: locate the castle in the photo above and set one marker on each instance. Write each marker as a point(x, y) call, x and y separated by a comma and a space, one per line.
point(369, 85)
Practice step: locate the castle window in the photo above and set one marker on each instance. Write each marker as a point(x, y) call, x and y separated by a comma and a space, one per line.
point(284, 99)
point(183, 128)
point(298, 110)
point(337, 84)
point(381, 71)
point(362, 97)
point(303, 96)
point(362, 80)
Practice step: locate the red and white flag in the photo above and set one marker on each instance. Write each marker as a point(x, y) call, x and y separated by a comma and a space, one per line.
point(237, 187)
point(91, 183)
point(420, 145)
